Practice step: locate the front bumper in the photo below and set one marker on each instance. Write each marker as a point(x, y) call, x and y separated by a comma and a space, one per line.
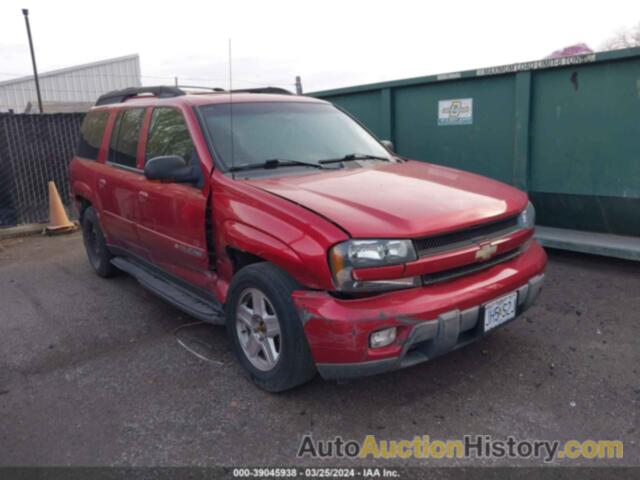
point(430, 339)
point(430, 320)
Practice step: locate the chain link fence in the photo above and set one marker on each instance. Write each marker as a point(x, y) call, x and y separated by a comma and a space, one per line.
point(34, 149)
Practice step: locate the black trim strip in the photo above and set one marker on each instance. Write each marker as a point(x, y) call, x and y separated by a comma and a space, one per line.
point(124, 167)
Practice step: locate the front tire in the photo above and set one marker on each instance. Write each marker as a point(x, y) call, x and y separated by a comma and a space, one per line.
point(265, 330)
point(95, 245)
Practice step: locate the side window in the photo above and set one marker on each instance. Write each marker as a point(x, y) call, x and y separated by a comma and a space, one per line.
point(91, 133)
point(125, 137)
point(168, 135)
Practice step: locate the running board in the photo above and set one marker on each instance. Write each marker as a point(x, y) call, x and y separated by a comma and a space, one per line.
point(187, 301)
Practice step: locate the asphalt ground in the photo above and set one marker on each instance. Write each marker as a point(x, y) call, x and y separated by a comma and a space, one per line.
point(91, 373)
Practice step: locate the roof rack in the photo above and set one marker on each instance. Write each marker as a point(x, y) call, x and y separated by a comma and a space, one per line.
point(278, 90)
point(119, 96)
point(198, 87)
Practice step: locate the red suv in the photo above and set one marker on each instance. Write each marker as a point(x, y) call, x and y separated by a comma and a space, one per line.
point(284, 219)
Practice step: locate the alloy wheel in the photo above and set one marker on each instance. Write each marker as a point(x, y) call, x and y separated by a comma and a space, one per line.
point(258, 329)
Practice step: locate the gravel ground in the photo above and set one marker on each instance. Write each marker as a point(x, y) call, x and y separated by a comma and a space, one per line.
point(91, 374)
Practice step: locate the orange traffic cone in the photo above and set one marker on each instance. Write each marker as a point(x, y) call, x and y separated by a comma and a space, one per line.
point(58, 220)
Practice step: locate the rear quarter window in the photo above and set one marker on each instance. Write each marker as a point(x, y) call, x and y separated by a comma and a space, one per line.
point(91, 133)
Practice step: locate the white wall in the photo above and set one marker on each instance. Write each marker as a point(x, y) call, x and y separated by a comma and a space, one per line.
point(80, 85)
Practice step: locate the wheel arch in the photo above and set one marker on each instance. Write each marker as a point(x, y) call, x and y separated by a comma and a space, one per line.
point(83, 196)
point(82, 203)
point(245, 245)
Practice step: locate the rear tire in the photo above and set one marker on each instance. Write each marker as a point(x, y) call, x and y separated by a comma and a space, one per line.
point(95, 245)
point(264, 328)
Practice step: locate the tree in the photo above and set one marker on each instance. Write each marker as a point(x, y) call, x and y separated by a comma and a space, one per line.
point(624, 38)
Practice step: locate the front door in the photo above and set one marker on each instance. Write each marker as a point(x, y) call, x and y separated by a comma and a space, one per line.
point(172, 215)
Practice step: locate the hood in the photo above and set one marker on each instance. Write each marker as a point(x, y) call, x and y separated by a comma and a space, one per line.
point(410, 199)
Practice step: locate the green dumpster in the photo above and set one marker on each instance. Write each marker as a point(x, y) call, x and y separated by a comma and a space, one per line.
point(566, 130)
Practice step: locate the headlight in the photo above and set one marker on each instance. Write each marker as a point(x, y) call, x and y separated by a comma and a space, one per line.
point(527, 218)
point(346, 256)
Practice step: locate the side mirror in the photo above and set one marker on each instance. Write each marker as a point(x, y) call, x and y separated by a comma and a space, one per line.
point(170, 168)
point(388, 144)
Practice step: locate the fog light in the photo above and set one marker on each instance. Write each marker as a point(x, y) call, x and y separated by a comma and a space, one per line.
point(382, 338)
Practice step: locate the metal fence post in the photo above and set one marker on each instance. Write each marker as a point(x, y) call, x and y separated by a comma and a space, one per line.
point(522, 130)
point(386, 114)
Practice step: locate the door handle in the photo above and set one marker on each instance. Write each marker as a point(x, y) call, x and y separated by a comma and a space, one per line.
point(102, 182)
point(142, 195)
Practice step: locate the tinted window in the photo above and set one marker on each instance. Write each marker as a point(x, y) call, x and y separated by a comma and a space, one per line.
point(91, 134)
point(125, 137)
point(168, 135)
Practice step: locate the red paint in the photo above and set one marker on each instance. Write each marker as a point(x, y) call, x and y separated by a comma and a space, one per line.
point(293, 221)
point(403, 200)
point(379, 273)
point(465, 256)
point(338, 330)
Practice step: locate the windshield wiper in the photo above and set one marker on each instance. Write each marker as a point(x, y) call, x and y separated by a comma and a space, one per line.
point(353, 156)
point(274, 163)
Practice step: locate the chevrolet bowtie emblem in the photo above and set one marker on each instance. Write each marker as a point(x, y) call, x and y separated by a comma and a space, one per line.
point(486, 252)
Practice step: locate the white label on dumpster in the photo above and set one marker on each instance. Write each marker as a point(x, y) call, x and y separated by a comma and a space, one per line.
point(457, 111)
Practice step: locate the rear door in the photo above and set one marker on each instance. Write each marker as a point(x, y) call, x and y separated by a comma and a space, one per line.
point(172, 215)
point(119, 182)
point(88, 161)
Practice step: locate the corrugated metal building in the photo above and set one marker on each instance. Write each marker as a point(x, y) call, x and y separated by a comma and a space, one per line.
point(72, 89)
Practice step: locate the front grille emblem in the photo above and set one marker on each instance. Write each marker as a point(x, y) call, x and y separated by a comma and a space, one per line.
point(486, 252)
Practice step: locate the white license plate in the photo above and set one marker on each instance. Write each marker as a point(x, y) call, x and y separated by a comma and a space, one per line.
point(499, 311)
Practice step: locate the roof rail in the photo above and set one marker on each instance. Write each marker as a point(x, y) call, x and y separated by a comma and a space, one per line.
point(278, 90)
point(119, 96)
point(198, 87)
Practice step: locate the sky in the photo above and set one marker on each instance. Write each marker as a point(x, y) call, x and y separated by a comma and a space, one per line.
point(329, 44)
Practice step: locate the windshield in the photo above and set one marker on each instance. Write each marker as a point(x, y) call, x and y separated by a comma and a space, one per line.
point(286, 131)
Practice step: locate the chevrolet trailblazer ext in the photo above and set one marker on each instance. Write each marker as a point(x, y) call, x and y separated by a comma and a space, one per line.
point(283, 218)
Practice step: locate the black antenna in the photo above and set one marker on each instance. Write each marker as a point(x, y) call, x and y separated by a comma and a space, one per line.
point(231, 112)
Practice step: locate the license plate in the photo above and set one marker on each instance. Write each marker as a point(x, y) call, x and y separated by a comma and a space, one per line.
point(499, 311)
